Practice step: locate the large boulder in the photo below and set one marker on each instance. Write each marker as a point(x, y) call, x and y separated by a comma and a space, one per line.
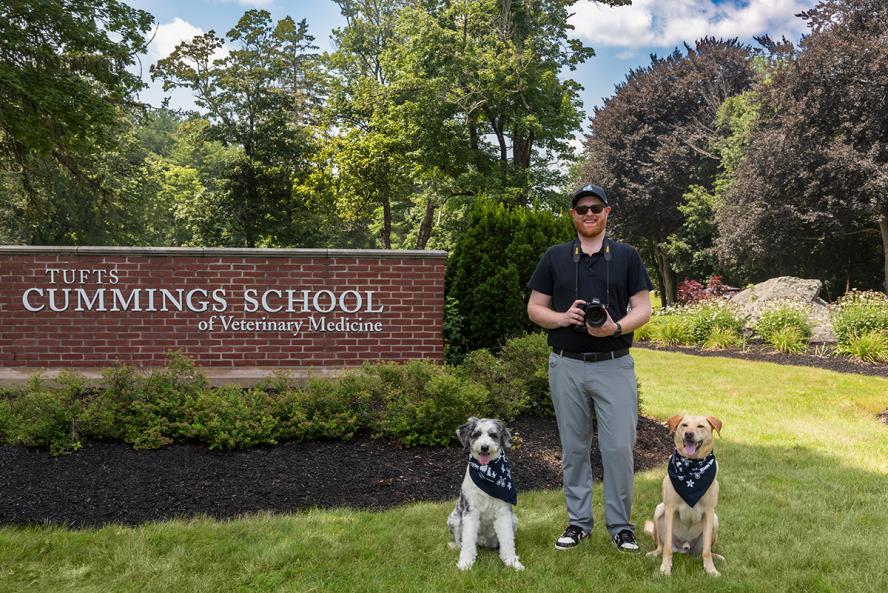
point(753, 301)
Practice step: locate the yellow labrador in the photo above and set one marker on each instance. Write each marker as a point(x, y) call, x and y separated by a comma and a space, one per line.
point(686, 521)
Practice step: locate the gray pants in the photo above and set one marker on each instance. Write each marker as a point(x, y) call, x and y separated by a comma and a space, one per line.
point(610, 389)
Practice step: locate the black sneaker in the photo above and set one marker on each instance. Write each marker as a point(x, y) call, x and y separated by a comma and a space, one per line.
point(570, 538)
point(625, 541)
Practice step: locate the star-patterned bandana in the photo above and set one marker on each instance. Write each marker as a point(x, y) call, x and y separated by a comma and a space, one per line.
point(691, 478)
point(494, 478)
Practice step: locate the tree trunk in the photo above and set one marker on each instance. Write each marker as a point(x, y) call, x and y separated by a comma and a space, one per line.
point(667, 276)
point(386, 231)
point(425, 228)
point(521, 151)
point(883, 229)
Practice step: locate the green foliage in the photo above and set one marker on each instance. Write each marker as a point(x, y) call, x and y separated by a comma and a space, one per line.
point(788, 339)
point(424, 403)
point(708, 315)
point(858, 313)
point(645, 333)
point(868, 347)
point(723, 337)
point(526, 358)
point(670, 329)
point(46, 414)
point(781, 316)
point(489, 268)
point(417, 403)
point(231, 418)
point(507, 394)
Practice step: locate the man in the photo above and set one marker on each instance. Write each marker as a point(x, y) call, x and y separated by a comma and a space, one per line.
point(591, 374)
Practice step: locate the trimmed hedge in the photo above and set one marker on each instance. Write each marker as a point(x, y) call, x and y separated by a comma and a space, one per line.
point(417, 403)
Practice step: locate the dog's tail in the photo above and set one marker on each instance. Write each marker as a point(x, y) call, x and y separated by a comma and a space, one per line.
point(649, 528)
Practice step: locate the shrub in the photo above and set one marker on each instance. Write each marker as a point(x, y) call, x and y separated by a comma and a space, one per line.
point(722, 337)
point(46, 415)
point(670, 329)
point(690, 291)
point(780, 316)
point(526, 358)
point(869, 347)
point(859, 313)
point(789, 339)
point(425, 403)
point(323, 409)
point(507, 394)
point(645, 333)
point(230, 417)
point(488, 269)
point(154, 409)
point(711, 314)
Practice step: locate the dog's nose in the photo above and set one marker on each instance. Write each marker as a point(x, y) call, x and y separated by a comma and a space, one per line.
point(485, 448)
point(689, 435)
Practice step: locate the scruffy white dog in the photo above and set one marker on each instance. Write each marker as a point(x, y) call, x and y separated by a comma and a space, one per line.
point(483, 515)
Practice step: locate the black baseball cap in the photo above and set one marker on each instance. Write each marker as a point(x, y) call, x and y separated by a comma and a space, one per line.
point(589, 190)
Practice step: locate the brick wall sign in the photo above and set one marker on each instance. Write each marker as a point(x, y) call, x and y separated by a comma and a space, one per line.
point(240, 313)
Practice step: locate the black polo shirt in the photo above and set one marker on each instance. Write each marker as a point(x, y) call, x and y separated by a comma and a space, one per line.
point(612, 282)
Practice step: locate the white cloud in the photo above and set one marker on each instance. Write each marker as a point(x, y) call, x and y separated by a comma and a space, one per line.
point(165, 40)
point(169, 35)
point(666, 23)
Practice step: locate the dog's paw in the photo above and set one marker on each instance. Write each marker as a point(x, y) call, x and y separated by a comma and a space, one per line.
point(666, 568)
point(653, 553)
point(465, 564)
point(514, 563)
point(453, 545)
point(711, 571)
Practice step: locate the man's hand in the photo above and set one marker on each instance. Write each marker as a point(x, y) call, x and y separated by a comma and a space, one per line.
point(574, 315)
point(604, 331)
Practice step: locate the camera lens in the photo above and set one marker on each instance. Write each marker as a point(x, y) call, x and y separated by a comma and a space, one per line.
point(596, 315)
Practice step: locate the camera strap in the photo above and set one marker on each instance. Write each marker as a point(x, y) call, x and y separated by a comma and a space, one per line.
point(576, 260)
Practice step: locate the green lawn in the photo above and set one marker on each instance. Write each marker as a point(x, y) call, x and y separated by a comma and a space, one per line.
point(804, 507)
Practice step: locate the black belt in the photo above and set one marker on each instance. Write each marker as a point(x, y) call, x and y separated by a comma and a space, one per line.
point(593, 356)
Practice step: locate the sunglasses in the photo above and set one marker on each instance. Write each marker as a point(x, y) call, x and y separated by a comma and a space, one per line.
point(594, 208)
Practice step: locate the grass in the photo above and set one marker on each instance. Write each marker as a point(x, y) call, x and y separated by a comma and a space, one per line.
point(804, 493)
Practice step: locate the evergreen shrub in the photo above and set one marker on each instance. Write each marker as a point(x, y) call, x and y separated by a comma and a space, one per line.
point(488, 271)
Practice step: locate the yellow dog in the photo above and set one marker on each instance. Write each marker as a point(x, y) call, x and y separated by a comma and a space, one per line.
point(686, 518)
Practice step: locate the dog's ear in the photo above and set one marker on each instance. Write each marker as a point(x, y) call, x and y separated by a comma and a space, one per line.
point(465, 431)
point(505, 435)
point(715, 423)
point(673, 423)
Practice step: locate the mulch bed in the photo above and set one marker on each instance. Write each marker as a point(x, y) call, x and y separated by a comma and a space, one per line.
point(110, 482)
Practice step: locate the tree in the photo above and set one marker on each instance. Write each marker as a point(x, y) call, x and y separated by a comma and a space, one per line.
point(501, 63)
point(65, 93)
point(814, 182)
point(263, 97)
point(651, 143)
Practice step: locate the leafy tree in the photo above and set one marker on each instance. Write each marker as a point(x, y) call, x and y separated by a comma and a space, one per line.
point(651, 144)
point(66, 153)
point(500, 64)
point(813, 186)
point(263, 98)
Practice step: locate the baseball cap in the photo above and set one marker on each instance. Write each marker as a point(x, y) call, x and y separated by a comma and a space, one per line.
point(589, 190)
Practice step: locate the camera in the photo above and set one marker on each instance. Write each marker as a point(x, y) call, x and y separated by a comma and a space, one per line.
point(596, 314)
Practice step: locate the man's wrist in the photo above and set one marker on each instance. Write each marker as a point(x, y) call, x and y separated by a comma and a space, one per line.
point(617, 331)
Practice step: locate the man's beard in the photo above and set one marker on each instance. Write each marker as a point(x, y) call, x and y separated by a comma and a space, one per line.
point(589, 231)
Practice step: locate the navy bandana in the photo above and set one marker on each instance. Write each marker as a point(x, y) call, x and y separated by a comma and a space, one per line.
point(691, 478)
point(494, 478)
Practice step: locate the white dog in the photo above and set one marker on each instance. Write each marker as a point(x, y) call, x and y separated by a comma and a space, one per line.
point(483, 515)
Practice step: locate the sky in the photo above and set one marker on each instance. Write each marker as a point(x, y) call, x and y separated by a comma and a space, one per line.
point(623, 37)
